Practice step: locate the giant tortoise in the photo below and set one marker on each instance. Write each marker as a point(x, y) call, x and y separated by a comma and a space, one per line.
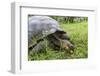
point(44, 27)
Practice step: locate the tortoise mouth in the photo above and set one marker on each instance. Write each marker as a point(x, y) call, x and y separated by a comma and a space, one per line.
point(67, 45)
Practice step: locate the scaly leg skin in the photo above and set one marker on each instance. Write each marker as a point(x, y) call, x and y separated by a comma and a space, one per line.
point(38, 48)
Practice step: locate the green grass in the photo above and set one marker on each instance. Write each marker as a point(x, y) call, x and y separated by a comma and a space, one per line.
point(78, 33)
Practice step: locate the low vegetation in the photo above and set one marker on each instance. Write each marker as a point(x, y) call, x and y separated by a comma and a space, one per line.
point(78, 33)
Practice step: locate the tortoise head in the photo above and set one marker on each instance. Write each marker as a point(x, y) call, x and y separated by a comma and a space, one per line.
point(67, 45)
point(63, 40)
